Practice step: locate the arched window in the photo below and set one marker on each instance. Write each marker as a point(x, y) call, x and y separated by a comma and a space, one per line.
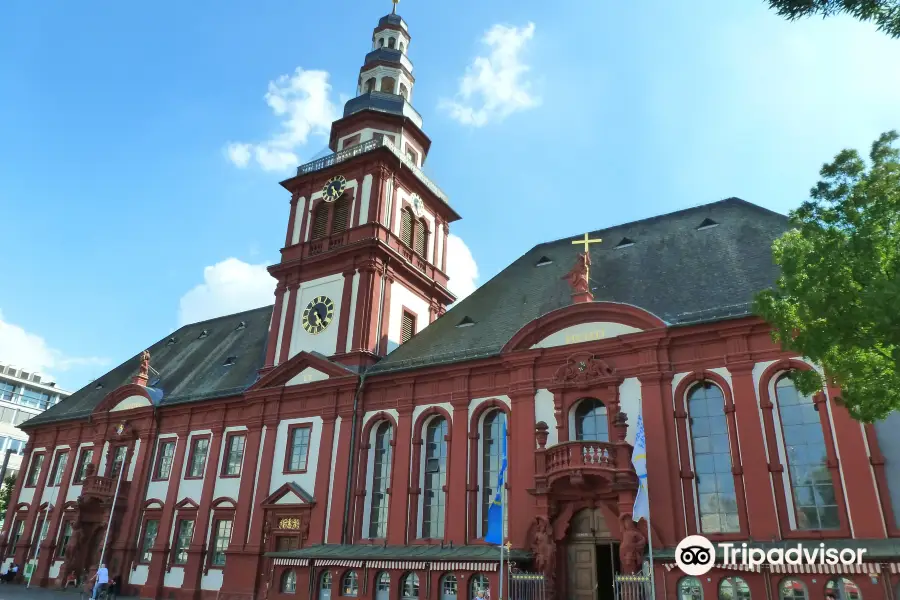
point(388, 84)
point(406, 226)
point(401, 47)
point(449, 587)
point(689, 588)
point(421, 237)
point(734, 588)
point(409, 589)
point(844, 588)
point(320, 221)
point(491, 444)
point(380, 459)
point(404, 91)
point(716, 498)
point(792, 589)
point(392, 42)
point(350, 585)
point(325, 586)
point(370, 82)
point(804, 442)
point(380, 42)
point(434, 475)
point(341, 214)
point(383, 586)
point(591, 423)
point(289, 582)
point(479, 584)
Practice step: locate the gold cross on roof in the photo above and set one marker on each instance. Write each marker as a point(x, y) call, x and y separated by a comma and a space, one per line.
point(396, 2)
point(586, 242)
point(508, 545)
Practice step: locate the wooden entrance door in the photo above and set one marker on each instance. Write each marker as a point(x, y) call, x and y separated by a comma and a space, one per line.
point(585, 581)
point(582, 561)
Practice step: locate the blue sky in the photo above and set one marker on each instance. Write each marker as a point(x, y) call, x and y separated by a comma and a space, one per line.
point(123, 215)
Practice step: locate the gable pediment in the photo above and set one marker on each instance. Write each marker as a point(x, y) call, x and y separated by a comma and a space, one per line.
point(290, 494)
point(135, 401)
point(585, 332)
point(302, 369)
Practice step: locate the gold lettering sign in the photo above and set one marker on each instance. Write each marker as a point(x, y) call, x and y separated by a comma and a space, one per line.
point(291, 523)
point(591, 336)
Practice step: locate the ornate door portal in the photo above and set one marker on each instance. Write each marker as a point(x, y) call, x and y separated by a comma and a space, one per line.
point(591, 557)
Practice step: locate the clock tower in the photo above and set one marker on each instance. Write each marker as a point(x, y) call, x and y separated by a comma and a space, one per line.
point(364, 266)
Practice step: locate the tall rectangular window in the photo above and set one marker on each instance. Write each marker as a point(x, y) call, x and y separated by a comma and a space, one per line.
point(234, 456)
point(298, 450)
point(164, 460)
point(64, 540)
point(183, 541)
point(18, 530)
point(59, 467)
point(407, 326)
point(150, 531)
point(199, 451)
point(83, 461)
point(34, 470)
point(220, 541)
point(118, 461)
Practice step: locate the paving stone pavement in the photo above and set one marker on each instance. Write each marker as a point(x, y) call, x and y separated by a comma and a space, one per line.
point(20, 592)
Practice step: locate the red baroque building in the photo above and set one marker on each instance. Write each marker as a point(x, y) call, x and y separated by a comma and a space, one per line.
point(345, 441)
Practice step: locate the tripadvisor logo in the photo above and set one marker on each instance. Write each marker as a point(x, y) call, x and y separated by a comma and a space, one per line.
point(696, 555)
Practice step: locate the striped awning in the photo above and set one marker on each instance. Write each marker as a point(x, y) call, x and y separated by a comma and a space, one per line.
point(406, 565)
point(463, 566)
point(355, 564)
point(744, 568)
point(292, 562)
point(863, 569)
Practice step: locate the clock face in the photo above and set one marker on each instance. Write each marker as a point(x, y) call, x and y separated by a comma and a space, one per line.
point(318, 315)
point(334, 188)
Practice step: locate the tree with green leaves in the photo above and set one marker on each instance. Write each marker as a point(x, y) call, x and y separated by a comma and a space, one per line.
point(884, 13)
point(837, 300)
point(9, 482)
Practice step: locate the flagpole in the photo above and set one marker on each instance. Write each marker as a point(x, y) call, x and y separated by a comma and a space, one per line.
point(502, 513)
point(650, 545)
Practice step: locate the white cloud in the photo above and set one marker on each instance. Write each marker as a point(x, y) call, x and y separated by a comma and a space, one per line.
point(461, 268)
point(228, 287)
point(302, 102)
point(495, 86)
point(31, 352)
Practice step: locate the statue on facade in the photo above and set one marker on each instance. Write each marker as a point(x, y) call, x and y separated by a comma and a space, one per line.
point(145, 365)
point(579, 276)
point(544, 549)
point(631, 552)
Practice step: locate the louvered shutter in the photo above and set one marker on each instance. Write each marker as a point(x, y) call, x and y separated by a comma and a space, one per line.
point(407, 327)
point(421, 238)
point(320, 222)
point(406, 227)
point(341, 215)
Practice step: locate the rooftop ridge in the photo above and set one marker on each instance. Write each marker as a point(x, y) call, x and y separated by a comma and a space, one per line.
point(657, 218)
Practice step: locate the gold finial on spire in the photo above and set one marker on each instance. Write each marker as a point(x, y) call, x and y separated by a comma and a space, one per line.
point(394, 12)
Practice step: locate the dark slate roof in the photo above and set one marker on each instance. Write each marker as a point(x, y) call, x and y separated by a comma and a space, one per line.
point(392, 19)
point(415, 552)
point(674, 270)
point(191, 369)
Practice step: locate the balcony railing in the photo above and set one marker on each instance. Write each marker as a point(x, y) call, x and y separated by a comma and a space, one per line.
point(103, 487)
point(583, 458)
point(368, 146)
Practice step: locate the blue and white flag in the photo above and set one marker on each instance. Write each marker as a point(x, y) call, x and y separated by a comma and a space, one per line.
point(495, 512)
point(641, 508)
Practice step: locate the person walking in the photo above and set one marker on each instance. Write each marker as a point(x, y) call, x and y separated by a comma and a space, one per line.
point(102, 581)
